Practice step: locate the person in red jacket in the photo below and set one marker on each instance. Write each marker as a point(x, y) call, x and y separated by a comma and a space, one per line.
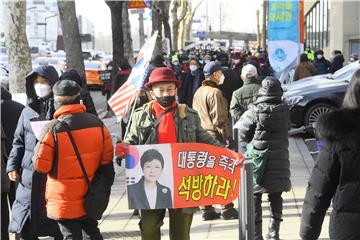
point(54, 154)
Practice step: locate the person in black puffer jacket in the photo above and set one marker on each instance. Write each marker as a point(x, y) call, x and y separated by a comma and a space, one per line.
point(335, 176)
point(28, 213)
point(85, 96)
point(265, 126)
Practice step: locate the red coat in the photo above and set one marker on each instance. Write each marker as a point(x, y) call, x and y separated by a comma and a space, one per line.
point(66, 185)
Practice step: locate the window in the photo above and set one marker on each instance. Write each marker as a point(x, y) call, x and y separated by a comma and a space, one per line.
point(317, 25)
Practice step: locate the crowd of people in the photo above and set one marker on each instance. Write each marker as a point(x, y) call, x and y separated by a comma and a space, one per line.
point(187, 97)
point(314, 63)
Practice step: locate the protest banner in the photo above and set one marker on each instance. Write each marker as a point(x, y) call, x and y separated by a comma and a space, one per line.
point(284, 35)
point(181, 175)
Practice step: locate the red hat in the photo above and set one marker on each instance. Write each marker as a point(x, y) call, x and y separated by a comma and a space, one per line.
point(236, 55)
point(162, 74)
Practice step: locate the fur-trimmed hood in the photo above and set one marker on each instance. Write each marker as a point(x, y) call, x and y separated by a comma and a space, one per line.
point(341, 125)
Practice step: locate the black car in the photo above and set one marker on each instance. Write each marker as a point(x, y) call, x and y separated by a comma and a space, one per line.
point(311, 97)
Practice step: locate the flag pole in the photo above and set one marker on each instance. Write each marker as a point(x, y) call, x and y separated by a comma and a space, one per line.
point(131, 113)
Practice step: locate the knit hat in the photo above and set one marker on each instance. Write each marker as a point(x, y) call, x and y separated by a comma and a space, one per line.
point(162, 74)
point(72, 74)
point(210, 68)
point(66, 88)
point(249, 71)
point(271, 86)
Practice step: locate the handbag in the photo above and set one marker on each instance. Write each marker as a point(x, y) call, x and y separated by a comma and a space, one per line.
point(99, 189)
point(259, 159)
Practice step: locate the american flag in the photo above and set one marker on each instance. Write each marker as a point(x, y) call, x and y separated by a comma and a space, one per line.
point(122, 99)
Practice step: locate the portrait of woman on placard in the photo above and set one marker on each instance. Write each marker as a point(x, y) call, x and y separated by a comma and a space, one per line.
point(148, 193)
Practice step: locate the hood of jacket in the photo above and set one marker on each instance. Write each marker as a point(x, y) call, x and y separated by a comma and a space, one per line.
point(48, 72)
point(5, 94)
point(341, 125)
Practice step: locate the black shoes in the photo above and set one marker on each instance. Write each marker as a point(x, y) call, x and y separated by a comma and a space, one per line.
point(230, 214)
point(210, 215)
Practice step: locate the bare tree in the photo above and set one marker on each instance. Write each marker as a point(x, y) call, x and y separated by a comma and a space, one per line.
point(188, 21)
point(165, 8)
point(157, 25)
point(17, 46)
point(178, 10)
point(71, 35)
point(117, 36)
point(128, 49)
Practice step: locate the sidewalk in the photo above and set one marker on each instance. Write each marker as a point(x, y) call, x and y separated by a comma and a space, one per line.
point(118, 222)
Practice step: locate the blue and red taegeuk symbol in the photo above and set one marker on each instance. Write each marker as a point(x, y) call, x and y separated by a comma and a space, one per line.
point(132, 159)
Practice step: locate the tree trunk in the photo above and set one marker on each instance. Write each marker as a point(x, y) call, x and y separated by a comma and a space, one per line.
point(178, 13)
point(128, 49)
point(165, 7)
point(258, 35)
point(117, 37)
point(189, 20)
point(157, 26)
point(264, 28)
point(17, 46)
point(71, 35)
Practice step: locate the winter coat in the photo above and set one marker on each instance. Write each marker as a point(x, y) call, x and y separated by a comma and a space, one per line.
point(335, 178)
point(30, 192)
point(10, 114)
point(5, 184)
point(231, 83)
point(189, 85)
point(337, 63)
point(322, 65)
point(265, 125)
point(187, 123)
point(66, 186)
point(303, 70)
point(211, 106)
point(243, 97)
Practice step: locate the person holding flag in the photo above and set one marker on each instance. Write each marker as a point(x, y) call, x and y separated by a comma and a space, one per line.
point(163, 120)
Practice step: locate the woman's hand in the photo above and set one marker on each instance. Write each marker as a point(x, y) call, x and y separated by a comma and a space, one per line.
point(13, 175)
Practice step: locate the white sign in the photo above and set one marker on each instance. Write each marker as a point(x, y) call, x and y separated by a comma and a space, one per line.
point(137, 11)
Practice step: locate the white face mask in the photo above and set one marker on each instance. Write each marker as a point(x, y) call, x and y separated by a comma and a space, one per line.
point(221, 80)
point(319, 56)
point(175, 63)
point(42, 90)
point(236, 61)
point(193, 67)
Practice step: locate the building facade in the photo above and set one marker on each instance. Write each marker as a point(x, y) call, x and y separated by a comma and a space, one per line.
point(333, 25)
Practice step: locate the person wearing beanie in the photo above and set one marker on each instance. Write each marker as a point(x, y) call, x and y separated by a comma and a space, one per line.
point(247, 94)
point(19, 168)
point(212, 106)
point(264, 126)
point(85, 96)
point(55, 156)
point(178, 123)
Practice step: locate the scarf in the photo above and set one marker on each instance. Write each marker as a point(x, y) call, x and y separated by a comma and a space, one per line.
point(166, 128)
